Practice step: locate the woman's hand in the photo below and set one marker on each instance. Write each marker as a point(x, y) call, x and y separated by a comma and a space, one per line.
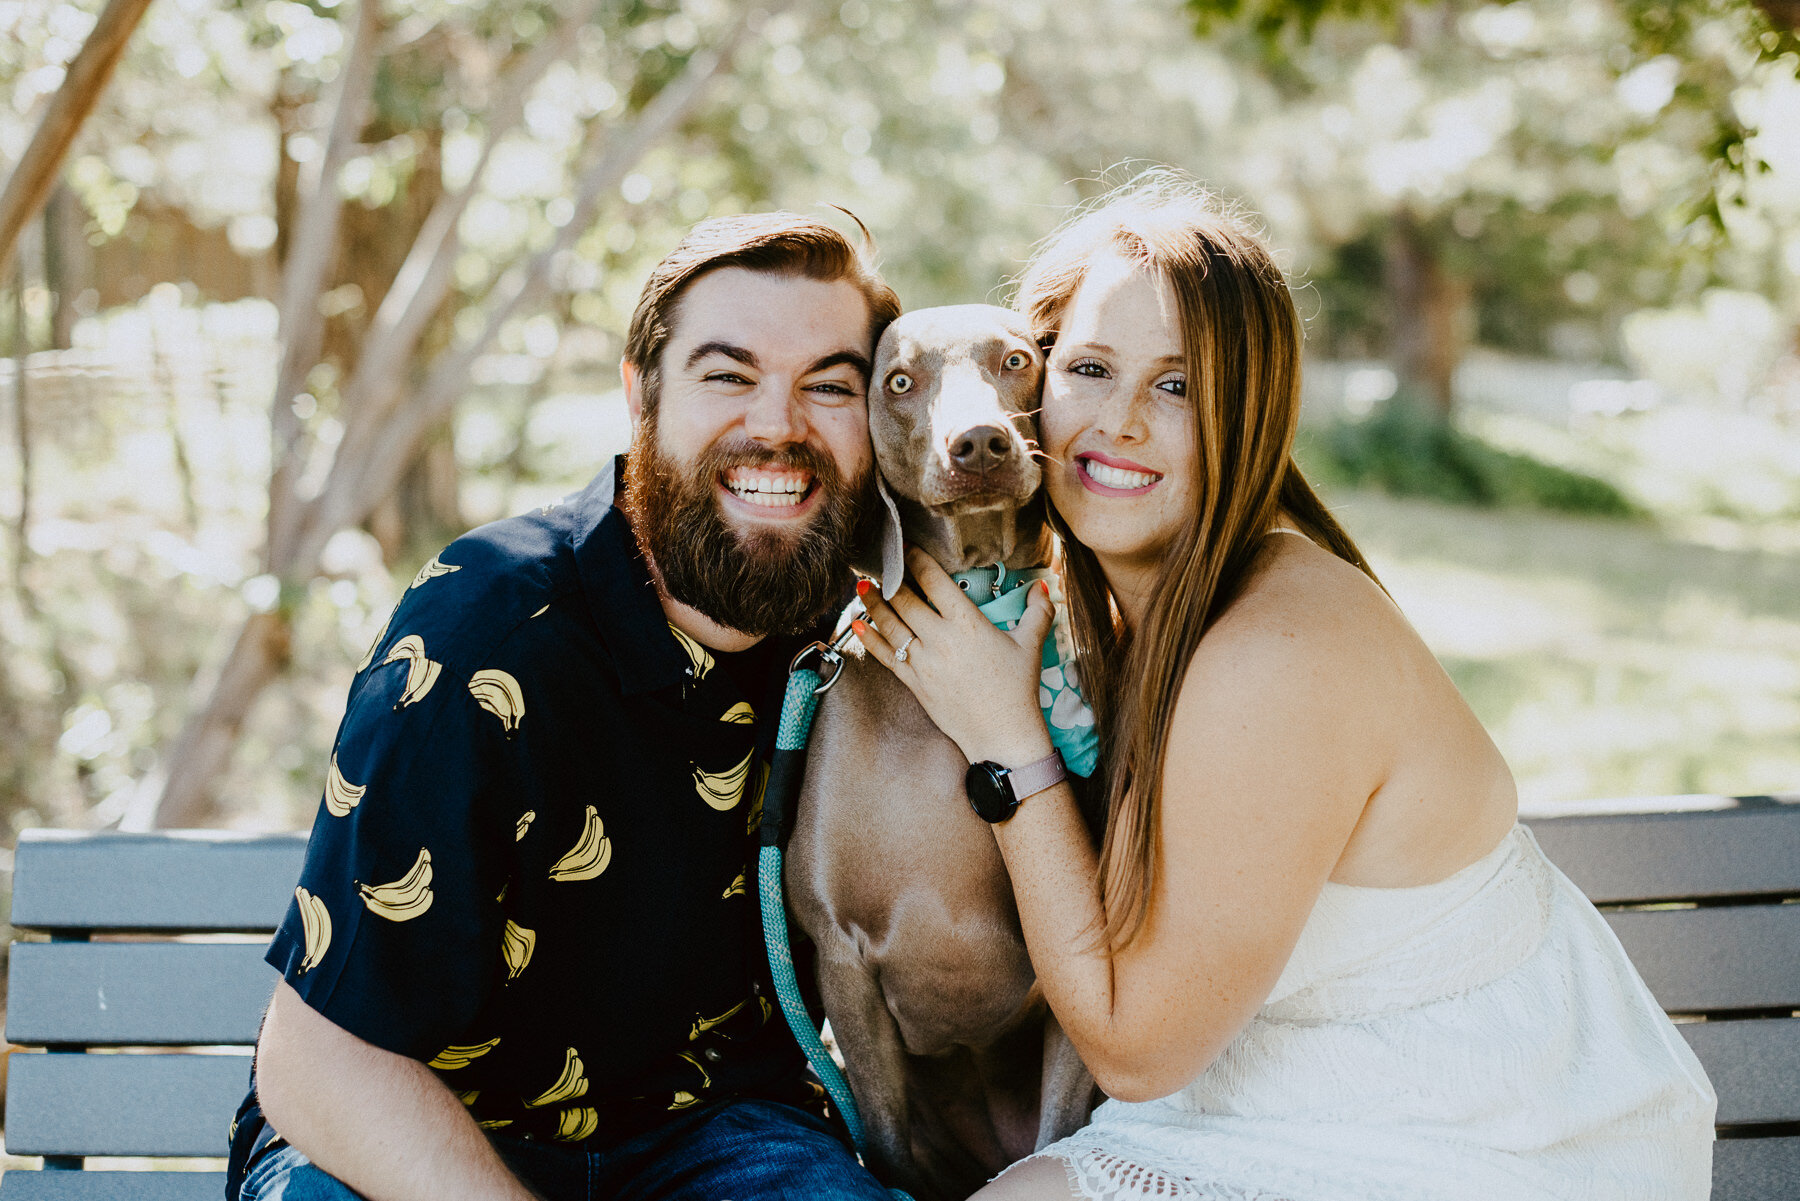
point(977, 682)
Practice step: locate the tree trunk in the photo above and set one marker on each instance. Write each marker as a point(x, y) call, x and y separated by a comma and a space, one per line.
point(394, 424)
point(88, 72)
point(1428, 308)
point(203, 751)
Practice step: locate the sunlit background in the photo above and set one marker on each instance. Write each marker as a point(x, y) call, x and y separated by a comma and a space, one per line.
point(1548, 254)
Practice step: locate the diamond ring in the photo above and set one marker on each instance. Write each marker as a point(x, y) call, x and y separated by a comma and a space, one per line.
point(900, 654)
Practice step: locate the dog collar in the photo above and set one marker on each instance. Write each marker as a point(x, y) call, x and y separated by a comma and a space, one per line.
point(1001, 597)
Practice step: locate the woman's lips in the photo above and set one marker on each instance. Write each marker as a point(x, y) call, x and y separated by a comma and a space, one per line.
point(1106, 476)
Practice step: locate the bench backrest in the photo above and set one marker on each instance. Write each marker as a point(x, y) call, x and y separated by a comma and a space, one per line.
point(138, 996)
point(1706, 902)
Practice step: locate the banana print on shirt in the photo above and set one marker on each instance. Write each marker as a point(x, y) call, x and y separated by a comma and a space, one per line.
point(500, 694)
point(590, 854)
point(700, 659)
point(315, 928)
point(421, 672)
point(434, 567)
point(723, 790)
point(404, 899)
point(341, 796)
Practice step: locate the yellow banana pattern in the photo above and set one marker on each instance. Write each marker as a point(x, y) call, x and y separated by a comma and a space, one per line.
point(404, 899)
point(494, 1123)
point(516, 945)
point(705, 1080)
point(737, 888)
point(341, 796)
point(685, 1100)
point(723, 790)
point(369, 655)
point(469, 1097)
point(540, 612)
point(740, 714)
point(571, 1084)
point(590, 854)
point(525, 820)
point(451, 1058)
point(698, 656)
point(754, 817)
point(574, 1125)
point(498, 693)
point(421, 673)
point(703, 1024)
point(315, 928)
point(434, 567)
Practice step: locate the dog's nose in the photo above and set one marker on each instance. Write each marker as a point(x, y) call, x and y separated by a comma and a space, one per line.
point(980, 449)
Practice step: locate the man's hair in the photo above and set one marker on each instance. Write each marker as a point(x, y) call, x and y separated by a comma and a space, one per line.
point(778, 243)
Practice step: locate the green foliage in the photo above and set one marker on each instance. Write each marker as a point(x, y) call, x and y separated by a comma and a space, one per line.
point(1405, 449)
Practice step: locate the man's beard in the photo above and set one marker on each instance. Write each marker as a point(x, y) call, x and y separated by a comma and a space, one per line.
point(759, 580)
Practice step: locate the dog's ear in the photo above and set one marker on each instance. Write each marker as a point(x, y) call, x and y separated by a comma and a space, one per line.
point(886, 560)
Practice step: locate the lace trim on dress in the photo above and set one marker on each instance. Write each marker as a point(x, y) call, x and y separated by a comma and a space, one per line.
point(1101, 1175)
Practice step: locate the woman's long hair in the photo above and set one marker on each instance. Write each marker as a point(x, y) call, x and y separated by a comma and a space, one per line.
point(1240, 340)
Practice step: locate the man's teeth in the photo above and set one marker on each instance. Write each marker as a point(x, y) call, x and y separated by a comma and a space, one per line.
point(769, 491)
point(1118, 477)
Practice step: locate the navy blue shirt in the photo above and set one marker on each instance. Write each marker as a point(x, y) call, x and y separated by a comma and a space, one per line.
point(533, 866)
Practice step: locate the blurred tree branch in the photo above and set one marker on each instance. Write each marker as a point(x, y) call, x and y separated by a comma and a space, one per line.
point(86, 78)
point(385, 421)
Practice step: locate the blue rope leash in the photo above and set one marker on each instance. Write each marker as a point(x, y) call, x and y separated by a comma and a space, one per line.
point(798, 706)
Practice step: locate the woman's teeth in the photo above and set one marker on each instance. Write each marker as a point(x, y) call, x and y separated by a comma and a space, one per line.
point(769, 491)
point(1118, 477)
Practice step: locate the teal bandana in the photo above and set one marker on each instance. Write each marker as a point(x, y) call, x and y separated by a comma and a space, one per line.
point(1066, 711)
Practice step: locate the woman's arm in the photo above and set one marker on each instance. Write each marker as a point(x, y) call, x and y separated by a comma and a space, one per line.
point(1269, 767)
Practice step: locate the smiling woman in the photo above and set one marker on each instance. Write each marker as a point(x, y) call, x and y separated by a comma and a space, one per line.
point(1315, 959)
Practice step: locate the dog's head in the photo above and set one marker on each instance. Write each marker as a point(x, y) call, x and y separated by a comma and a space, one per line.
point(953, 402)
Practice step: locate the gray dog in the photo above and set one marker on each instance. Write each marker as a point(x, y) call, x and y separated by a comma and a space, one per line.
point(956, 1062)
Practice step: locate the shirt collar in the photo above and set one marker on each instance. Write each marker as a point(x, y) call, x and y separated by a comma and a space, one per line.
point(620, 593)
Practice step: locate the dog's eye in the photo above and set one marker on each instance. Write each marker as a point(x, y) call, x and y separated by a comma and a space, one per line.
point(1016, 360)
point(899, 382)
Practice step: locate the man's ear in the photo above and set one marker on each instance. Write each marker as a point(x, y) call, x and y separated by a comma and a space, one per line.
point(886, 560)
point(634, 389)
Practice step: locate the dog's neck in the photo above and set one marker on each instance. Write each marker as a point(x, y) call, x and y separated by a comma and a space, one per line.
point(1018, 538)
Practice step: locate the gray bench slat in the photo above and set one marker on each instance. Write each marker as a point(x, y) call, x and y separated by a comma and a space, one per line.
point(1754, 1066)
point(122, 1104)
point(172, 880)
point(136, 994)
point(1712, 959)
point(1752, 851)
point(112, 1186)
point(1756, 1169)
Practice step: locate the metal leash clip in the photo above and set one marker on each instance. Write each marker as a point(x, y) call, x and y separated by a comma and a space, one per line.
point(830, 654)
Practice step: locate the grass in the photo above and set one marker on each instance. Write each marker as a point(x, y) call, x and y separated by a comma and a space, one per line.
point(1404, 449)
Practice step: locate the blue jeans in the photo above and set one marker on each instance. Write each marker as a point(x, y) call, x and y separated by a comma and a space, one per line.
point(733, 1151)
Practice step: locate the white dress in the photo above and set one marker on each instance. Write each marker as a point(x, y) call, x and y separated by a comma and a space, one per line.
point(1483, 1037)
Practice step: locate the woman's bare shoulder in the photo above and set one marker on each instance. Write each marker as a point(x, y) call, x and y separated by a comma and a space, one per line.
point(1303, 607)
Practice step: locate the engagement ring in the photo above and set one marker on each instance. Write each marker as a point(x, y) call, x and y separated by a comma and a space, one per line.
point(900, 654)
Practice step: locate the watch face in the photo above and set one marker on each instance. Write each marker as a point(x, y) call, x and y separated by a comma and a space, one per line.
point(990, 792)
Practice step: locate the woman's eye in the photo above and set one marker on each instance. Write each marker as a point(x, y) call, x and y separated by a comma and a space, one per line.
point(899, 382)
point(1016, 360)
point(1087, 367)
point(1175, 387)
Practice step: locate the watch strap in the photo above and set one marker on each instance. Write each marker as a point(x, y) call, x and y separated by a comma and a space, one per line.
point(1034, 777)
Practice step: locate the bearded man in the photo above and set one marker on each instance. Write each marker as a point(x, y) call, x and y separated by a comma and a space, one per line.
point(524, 957)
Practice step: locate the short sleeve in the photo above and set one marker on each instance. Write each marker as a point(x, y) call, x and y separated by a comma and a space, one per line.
point(393, 930)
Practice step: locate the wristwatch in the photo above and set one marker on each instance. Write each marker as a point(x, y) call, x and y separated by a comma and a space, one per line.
point(995, 791)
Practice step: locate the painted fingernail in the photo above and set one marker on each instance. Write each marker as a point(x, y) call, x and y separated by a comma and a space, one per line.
point(1045, 585)
point(862, 587)
point(860, 626)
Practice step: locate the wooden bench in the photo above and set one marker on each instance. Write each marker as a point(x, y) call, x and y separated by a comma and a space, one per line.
point(1706, 901)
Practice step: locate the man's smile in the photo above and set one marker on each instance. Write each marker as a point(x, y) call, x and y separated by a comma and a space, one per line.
point(772, 491)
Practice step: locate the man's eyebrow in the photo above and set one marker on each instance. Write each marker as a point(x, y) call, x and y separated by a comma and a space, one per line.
point(838, 358)
point(736, 353)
